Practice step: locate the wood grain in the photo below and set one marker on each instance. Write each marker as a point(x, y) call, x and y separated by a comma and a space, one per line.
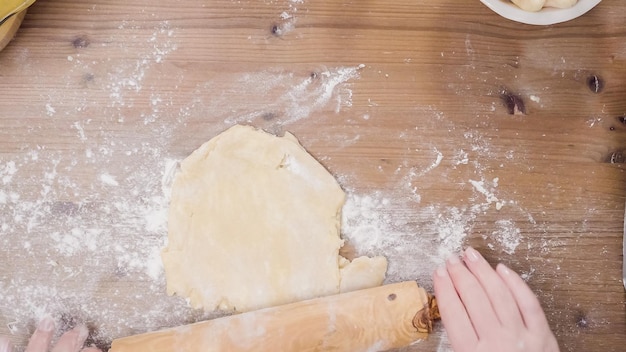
point(372, 319)
point(134, 83)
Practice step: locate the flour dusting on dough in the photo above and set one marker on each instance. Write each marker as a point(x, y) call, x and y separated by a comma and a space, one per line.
point(286, 249)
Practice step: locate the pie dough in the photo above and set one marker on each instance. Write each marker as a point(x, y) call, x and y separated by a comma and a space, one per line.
point(537, 5)
point(254, 222)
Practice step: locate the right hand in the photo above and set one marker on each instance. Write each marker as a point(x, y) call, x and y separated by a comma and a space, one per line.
point(486, 310)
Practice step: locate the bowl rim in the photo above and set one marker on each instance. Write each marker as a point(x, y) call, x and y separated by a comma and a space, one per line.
point(9, 28)
point(547, 16)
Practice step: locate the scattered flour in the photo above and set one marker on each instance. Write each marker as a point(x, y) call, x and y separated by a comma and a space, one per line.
point(68, 252)
point(103, 246)
point(7, 171)
point(298, 98)
point(378, 223)
point(289, 18)
point(507, 235)
point(108, 180)
point(460, 158)
point(370, 226)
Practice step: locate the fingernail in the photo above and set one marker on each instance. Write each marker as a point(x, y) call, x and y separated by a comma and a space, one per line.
point(46, 324)
point(82, 334)
point(503, 269)
point(5, 345)
point(472, 254)
point(441, 271)
point(453, 260)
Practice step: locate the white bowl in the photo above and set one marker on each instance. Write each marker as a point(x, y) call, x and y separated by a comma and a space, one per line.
point(546, 16)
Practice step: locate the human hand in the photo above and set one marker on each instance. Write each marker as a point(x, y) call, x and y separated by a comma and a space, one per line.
point(490, 311)
point(71, 341)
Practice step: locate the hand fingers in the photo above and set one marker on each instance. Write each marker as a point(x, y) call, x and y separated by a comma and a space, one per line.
point(527, 302)
point(474, 298)
point(499, 294)
point(457, 323)
point(73, 340)
point(40, 341)
point(5, 345)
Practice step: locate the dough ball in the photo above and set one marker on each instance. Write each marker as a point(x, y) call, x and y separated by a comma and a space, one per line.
point(537, 5)
point(530, 5)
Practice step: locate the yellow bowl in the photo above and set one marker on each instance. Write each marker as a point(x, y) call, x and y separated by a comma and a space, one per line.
point(9, 28)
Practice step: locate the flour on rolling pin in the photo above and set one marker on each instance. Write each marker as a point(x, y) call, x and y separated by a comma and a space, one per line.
point(374, 319)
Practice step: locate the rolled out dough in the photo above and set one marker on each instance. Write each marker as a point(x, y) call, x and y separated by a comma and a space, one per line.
point(254, 222)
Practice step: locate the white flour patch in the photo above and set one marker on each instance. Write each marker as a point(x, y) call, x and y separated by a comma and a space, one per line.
point(102, 241)
point(128, 79)
point(76, 240)
point(295, 98)
point(7, 171)
point(460, 158)
point(479, 144)
point(50, 110)
point(414, 173)
point(527, 275)
point(404, 225)
point(592, 121)
point(365, 223)
point(479, 186)
point(108, 180)
point(451, 227)
point(507, 235)
point(289, 18)
point(373, 228)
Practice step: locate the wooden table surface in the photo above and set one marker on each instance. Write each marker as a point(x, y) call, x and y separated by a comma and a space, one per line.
point(446, 124)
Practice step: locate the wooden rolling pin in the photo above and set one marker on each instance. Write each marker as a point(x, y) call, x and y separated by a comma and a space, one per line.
point(374, 319)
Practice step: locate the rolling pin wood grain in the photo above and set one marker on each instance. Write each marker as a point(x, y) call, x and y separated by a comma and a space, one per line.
point(374, 319)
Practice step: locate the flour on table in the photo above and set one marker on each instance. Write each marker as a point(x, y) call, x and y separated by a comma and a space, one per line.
point(67, 249)
point(298, 97)
point(289, 18)
point(83, 224)
point(507, 234)
point(386, 221)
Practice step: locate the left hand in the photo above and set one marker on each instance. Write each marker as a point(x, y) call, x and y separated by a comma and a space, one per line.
point(71, 341)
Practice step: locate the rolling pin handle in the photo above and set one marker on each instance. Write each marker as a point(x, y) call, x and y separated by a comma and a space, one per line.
point(424, 318)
